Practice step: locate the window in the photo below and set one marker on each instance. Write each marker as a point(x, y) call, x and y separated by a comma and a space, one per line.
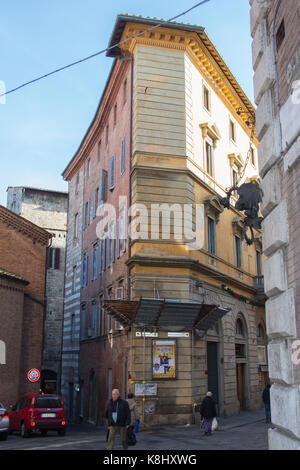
point(280, 35)
point(53, 258)
point(112, 164)
point(99, 151)
point(239, 328)
point(234, 181)
point(125, 91)
point(86, 214)
point(206, 98)
point(103, 187)
point(77, 184)
point(82, 323)
point(208, 153)
point(122, 231)
point(238, 251)
point(258, 262)
point(260, 332)
point(115, 114)
point(112, 242)
point(232, 131)
point(94, 325)
point(84, 269)
point(88, 170)
point(123, 156)
point(74, 280)
point(106, 136)
point(73, 328)
point(211, 235)
point(76, 226)
point(240, 351)
point(94, 203)
point(94, 261)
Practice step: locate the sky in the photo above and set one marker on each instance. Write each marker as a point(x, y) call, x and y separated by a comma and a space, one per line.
point(42, 125)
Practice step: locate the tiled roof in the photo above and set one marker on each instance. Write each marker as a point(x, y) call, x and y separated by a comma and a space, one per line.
point(28, 228)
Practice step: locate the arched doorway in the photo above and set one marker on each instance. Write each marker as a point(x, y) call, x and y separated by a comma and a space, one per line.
point(213, 365)
point(241, 361)
point(48, 381)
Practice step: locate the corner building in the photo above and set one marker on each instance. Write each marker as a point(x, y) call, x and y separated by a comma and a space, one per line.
point(172, 128)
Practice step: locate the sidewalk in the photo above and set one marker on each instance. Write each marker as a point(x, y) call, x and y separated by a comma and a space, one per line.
point(242, 419)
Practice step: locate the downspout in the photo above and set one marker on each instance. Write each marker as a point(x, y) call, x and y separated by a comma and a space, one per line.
point(130, 168)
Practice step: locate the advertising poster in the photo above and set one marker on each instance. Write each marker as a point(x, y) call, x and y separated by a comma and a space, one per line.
point(164, 359)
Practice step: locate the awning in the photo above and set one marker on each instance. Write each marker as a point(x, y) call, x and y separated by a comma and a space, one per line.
point(165, 314)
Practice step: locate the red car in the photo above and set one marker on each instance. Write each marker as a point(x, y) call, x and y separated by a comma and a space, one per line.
point(38, 412)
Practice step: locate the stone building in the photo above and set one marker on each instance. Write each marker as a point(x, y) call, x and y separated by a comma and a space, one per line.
point(48, 209)
point(275, 28)
point(172, 127)
point(22, 303)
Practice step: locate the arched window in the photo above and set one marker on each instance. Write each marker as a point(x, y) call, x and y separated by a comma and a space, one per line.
point(239, 328)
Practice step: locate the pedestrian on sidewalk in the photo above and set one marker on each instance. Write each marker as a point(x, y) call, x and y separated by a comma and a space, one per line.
point(134, 413)
point(208, 413)
point(267, 402)
point(118, 416)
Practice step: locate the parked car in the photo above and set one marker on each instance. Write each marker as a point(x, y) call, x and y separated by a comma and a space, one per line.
point(4, 423)
point(43, 412)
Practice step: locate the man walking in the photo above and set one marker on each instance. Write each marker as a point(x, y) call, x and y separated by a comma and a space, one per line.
point(118, 415)
point(208, 412)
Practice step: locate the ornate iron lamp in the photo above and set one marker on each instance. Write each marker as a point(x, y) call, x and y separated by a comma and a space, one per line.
point(250, 194)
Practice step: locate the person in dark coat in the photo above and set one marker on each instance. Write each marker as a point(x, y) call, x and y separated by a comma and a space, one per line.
point(118, 416)
point(208, 413)
point(267, 402)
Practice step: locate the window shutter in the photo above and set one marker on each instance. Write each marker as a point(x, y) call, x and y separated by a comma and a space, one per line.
point(104, 255)
point(118, 239)
point(108, 251)
point(94, 204)
point(57, 258)
point(83, 216)
point(88, 213)
point(113, 236)
point(86, 269)
point(100, 257)
point(123, 156)
point(92, 264)
point(112, 172)
point(48, 257)
point(95, 263)
point(104, 186)
point(82, 272)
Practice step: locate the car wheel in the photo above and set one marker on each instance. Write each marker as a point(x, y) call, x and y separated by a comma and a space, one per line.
point(44, 432)
point(3, 436)
point(62, 432)
point(24, 430)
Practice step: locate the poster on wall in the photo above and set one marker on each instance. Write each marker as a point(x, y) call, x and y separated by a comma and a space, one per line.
point(164, 359)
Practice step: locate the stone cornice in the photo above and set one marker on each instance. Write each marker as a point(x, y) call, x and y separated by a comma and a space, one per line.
point(188, 263)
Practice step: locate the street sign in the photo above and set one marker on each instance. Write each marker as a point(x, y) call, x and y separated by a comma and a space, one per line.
point(33, 375)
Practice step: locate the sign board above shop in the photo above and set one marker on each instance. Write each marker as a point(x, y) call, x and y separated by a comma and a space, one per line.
point(173, 334)
point(147, 334)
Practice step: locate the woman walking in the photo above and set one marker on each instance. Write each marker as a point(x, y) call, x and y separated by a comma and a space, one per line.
point(208, 413)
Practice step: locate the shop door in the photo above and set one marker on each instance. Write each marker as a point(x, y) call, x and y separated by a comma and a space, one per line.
point(213, 369)
point(240, 383)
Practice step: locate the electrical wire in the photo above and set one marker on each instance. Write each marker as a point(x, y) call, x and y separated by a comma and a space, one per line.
point(104, 50)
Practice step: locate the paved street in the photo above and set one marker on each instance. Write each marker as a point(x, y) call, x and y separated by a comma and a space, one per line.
point(246, 431)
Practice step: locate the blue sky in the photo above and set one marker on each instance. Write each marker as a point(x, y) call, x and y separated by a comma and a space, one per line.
point(42, 125)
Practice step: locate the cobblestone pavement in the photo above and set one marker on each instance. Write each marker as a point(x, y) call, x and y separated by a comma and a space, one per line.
point(247, 431)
